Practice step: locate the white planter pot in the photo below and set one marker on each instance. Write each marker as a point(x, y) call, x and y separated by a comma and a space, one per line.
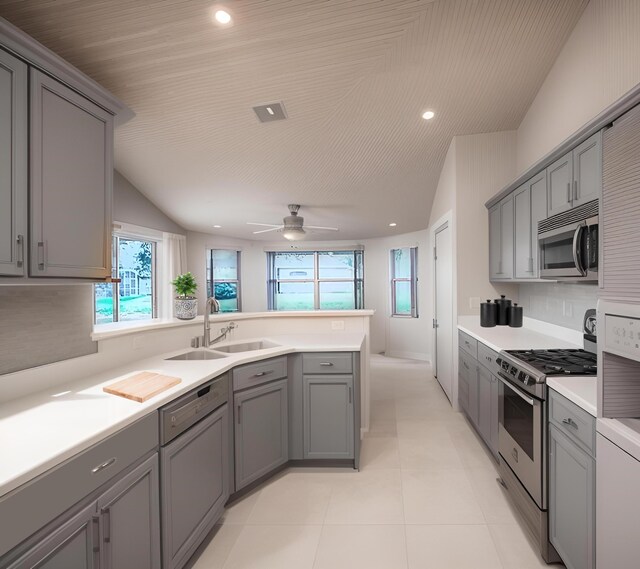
point(185, 308)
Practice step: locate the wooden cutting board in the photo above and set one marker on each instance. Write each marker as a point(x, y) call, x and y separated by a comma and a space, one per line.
point(141, 386)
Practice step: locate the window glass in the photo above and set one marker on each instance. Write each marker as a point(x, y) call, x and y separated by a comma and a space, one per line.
point(404, 281)
point(223, 278)
point(133, 297)
point(308, 280)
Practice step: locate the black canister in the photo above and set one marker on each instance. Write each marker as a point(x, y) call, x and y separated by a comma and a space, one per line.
point(515, 316)
point(488, 314)
point(503, 310)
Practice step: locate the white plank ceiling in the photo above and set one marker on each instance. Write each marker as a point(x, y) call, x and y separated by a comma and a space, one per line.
point(354, 75)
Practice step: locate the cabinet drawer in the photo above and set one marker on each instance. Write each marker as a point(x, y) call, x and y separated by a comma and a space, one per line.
point(573, 421)
point(487, 357)
point(341, 362)
point(258, 373)
point(468, 344)
point(55, 491)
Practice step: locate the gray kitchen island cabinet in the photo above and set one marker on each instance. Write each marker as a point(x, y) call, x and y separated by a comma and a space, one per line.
point(328, 416)
point(261, 431)
point(67, 179)
point(13, 164)
point(121, 530)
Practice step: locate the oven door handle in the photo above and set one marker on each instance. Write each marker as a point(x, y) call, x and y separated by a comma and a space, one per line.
point(529, 400)
point(576, 244)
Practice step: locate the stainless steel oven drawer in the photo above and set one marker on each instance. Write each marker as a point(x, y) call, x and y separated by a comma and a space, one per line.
point(573, 421)
point(258, 373)
point(468, 344)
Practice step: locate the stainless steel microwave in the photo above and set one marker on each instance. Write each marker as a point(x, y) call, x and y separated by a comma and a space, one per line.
point(568, 245)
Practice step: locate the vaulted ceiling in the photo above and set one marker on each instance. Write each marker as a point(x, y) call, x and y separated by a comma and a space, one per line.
point(354, 75)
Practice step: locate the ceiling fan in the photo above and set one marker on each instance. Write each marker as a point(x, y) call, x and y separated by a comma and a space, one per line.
point(291, 226)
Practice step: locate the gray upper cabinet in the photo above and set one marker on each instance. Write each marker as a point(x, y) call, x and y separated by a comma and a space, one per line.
point(560, 182)
point(13, 164)
point(501, 247)
point(328, 416)
point(571, 501)
point(261, 431)
point(530, 206)
point(74, 545)
point(71, 183)
point(576, 178)
point(587, 170)
point(130, 520)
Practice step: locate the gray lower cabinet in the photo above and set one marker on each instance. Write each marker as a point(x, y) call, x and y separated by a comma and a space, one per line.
point(74, 545)
point(195, 486)
point(13, 164)
point(121, 530)
point(130, 520)
point(261, 431)
point(571, 501)
point(328, 416)
point(69, 178)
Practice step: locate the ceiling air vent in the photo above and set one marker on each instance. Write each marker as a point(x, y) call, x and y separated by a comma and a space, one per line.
point(270, 112)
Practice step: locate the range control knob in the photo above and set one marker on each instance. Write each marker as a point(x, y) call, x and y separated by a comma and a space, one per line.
point(499, 360)
point(527, 379)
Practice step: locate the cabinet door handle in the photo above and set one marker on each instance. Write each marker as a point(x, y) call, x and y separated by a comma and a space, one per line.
point(239, 412)
point(575, 190)
point(465, 365)
point(570, 422)
point(19, 250)
point(568, 192)
point(104, 465)
point(514, 454)
point(262, 373)
point(531, 264)
point(106, 516)
point(326, 364)
point(349, 395)
point(41, 255)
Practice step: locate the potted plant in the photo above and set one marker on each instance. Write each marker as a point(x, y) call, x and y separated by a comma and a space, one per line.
point(185, 305)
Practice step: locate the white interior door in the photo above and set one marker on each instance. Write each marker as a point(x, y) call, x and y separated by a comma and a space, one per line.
point(443, 310)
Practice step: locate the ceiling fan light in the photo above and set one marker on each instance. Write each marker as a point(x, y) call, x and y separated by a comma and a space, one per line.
point(293, 233)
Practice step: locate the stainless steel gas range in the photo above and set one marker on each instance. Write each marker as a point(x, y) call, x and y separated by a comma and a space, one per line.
point(522, 432)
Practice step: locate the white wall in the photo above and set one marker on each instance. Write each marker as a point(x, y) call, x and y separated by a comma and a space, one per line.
point(397, 336)
point(599, 63)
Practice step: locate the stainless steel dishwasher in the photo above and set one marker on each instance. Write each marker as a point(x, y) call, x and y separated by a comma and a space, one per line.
point(194, 475)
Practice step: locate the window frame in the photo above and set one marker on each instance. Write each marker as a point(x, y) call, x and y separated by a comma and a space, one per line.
point(209, 270)
point(412, 279)
point(273, 282)
point(116, 236)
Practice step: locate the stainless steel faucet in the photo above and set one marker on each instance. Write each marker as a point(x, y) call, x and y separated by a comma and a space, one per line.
point(214, 305)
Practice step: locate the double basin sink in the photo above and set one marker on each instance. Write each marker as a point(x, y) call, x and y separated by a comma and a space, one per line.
point(223, 351)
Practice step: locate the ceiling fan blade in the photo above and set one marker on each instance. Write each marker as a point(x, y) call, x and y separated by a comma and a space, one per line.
point(323, 228)
point(264, 224)
point(276, 228)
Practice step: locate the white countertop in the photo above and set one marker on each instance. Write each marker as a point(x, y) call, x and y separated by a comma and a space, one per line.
point(624, 433)
point(44, 429)
point(582, 391)
point(525, 338)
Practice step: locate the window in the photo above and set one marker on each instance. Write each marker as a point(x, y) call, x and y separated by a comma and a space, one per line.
point(316, 280)
point(404, 282)
point(223, 278)
point(134, 296)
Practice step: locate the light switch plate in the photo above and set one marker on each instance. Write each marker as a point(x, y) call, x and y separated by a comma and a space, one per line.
point(337, 324)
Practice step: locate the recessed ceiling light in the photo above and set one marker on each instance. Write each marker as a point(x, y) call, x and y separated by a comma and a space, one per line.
point(392, 224)
point(217, 226)
point(428, 115)
point(222, 16)
point(270, 111)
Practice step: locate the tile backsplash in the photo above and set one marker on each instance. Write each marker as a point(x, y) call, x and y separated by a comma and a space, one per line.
point(563, 304)
point(43, 324)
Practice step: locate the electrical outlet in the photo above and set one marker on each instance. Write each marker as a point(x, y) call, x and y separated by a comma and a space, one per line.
point(337, 324)
point(474, 302)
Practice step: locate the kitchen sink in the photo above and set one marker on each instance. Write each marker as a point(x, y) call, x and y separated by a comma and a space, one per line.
point(198, 355)
point(245, 347)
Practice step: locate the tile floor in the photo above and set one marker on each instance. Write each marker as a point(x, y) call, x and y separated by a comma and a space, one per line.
point(426, 497)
